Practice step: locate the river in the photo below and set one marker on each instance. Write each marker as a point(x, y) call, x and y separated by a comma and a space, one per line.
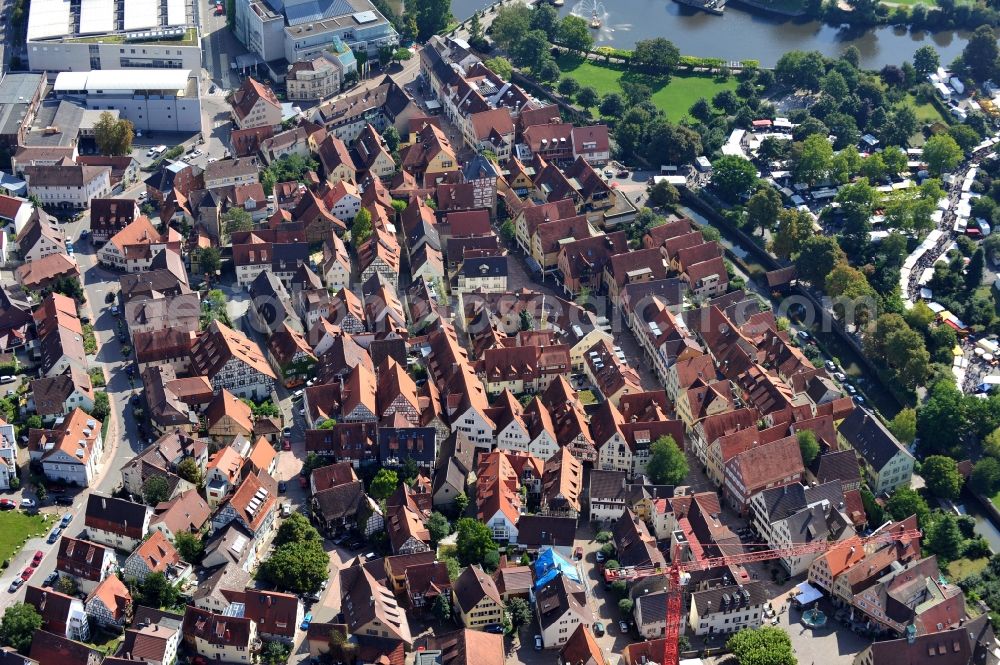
point(742, 34)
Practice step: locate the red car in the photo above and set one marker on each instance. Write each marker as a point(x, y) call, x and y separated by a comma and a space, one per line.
point(7, 504)
point(39, 555)
point(27, 572)
point(219, 10)
point(286, 445)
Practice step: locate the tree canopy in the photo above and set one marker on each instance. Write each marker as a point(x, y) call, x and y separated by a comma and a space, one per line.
point(19, 624)
point(474, 543)
point(113, 136)
point(762, 646)
point(668, 464)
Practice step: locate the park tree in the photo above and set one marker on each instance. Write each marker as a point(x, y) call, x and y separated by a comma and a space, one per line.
point(442, 607)
point(547, 69)
point(701, 110)
point(574, 33)
point(815, 159)
point(904, 426)
point(612, 105)
point(383, 484)
point(817, 257)
point(236, 219)
point(794, 228)
point(568, 87)
point(763, 209)
point(189, 470)
point(190, 546)
point(985, 477)
point(980, 54)
point(587, 97)
point(297, 567)
point(667, 462)
point(209, 260)
point(295, 528)
point(656, 54)
point(846, 280)
point(155, 490)
point(941, 421)
point(113, 136)
point(942, 154)
point(733, 177)
point(19, 624)
point(808, 446)
point(906, 502)
point(432, 17)
point(726, 101)
point(474, 542)
point(500, 66)
point(438, 527)
point(942, 476)
point(663, 194)
point(926, 60)
point(761, 646)
point(519, 611)
point(511, 23)
point(945, 538)
point(544, 17)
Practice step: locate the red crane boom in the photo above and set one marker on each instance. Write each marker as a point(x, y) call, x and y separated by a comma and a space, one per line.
point(675, 590)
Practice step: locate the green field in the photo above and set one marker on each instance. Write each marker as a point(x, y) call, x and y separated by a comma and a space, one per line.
point(925, 112)
point(674, 97)
point(15, 528)
point(962, 568)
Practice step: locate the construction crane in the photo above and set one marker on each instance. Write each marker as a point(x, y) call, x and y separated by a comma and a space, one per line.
point(675, 590)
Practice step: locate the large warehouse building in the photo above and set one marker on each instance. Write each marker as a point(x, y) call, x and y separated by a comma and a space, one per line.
point(159, 99)
point(81, 35)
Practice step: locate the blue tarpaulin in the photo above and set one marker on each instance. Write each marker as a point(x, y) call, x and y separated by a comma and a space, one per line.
point(549, 565)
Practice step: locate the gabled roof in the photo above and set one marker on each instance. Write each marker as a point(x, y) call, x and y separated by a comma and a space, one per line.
point(870, 438)
point(113, 594)
point(472, 586)
point(157, 553)
point(49, 648)
point(216, 629)
point(187, 511)
point(247, 95)
point(227, 404)
point(220, 343)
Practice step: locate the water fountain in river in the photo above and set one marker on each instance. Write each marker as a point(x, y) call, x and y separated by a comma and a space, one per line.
point(596, 14)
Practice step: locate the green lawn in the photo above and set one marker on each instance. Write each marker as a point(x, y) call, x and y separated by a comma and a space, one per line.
point(15, 528)
point(962, 568)
point(925, 112)
point(674, 97)
point(587, 397)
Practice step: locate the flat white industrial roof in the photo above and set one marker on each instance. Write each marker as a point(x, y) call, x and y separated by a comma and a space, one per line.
point(97, 16)
point(176, 12)
point(123, 79)
point(48, 18)
point(142, 14)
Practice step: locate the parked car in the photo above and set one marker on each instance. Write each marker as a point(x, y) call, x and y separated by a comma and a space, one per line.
point(803, 335)
point(287, 431)
point(54, 535)
point(623, 173)
point(851, 390)
point(15, 585)
point(66, 519)
point(64, 501)
point(306, 620)
point(282, 486)
point(495, 628)
point(286, 509)
point(7, 378)
point(50, 579)
point(600, 557)
point(623, 626)
point(538, 642)
point(830, 367)
point(27, 573)
point(27, 503)
point(598, 629)
point(859, 400)
point(286, 445)
point(7, 504)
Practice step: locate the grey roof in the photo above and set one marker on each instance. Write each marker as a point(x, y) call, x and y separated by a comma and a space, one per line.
point(16, 93)
point(558, 597)
point(782, 502)
point(480, 167)
point(701, 599)
point(64, 114)
point(485, 266)
point(417, 443)
point(606, 484)
point(652, 607)
point(453, 474)
point(542, 530)
point(670, 290)
point(873, 441)
point(815, 523)
point(840, 465)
